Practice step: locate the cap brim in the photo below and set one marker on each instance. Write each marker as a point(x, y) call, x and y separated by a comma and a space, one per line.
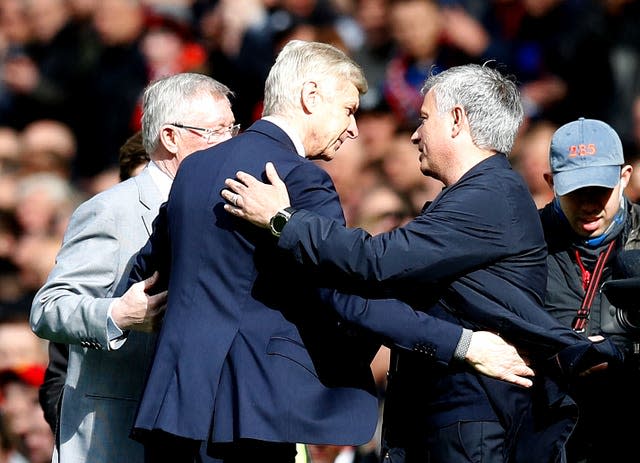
point(567, 181)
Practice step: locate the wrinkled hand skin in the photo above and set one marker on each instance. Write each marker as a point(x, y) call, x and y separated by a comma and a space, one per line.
point(252, 200)
point(138, 310)
point(492, 356)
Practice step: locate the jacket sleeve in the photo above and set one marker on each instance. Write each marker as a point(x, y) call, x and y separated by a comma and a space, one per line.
point(458, 234)
point(72, 306)
point(397, 322)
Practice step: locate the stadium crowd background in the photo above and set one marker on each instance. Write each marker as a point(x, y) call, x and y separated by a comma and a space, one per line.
point(72, 73)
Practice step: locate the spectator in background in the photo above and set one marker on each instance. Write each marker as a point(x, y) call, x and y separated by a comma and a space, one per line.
point(400, 166)
point(9, 167)
point(593, 235)
point(47, 146)
point(633, 188)
point(551, 87)
point(44, 76)
point(416, 27)
point(9, 151)
point(14, 34)
point(169, 48)
point(18, 345)
point(350, 176)
point(43, 204)
point(530, 158)
point(382, 209)
point(377, 126)
point(9, 444)
point(112, 90)
point(24, 418)
point(376, 49)
point(34, 257)
point(621, 21)
point(132, 157)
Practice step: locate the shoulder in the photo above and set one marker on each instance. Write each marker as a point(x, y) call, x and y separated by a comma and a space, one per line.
point(112, 202)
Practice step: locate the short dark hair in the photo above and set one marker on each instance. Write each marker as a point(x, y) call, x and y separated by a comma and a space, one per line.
point(132, 155)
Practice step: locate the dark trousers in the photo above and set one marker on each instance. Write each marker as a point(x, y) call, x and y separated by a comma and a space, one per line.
point(461, 442)
point(162, 447)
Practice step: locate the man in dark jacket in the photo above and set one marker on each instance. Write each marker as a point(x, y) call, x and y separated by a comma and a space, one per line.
point(592, 231)
point(474, 256)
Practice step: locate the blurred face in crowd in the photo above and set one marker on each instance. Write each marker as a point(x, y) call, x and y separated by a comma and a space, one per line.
point(416, 26)
point(14, 25)
point(118, 21)
point(591, 210)
point(400, 164)
point(46, 18)
point(334, 104)
point(19, 346)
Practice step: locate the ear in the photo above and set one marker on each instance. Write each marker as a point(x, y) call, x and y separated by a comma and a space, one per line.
point(459, 120)
point(625, 175)
point(168, 138)
point(548, 177)
point(310, 96)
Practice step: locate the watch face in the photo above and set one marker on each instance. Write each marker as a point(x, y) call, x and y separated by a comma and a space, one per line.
point(279, 221)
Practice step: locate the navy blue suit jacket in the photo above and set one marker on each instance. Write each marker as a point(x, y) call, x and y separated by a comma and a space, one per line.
point(475, 256)
point(250, 346)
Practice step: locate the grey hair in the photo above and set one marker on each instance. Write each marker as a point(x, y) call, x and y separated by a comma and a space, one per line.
point(491, 100)
point(169, 100)
point(58, 190)
point(301, 61)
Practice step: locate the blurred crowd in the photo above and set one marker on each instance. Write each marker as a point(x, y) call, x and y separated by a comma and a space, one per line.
point(72, 73)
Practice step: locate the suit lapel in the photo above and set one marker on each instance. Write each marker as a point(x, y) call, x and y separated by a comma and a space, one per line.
point(149, 197)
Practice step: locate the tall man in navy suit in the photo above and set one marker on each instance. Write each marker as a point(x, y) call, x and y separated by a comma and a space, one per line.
point(253, 356)
point(475, 256)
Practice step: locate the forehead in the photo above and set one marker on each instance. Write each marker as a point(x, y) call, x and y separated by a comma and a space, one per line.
point(347, 92)
point(208, 108)
point(428, 103)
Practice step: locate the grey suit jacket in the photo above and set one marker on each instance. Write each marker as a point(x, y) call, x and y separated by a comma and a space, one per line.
point(103, 383)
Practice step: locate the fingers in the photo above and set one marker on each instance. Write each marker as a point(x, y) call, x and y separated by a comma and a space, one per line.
point(520, 381)
point(594, 369)
point(152, 280)
point(234, 185)
point(272, 174)
point(246, 179)
point(158, 300)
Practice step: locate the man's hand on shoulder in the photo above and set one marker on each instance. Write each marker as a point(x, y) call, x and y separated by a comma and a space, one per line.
point(255, 201)
point(137, 309)
point(489, 354)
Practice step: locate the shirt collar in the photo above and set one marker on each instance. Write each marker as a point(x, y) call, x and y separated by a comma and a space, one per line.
point(291, 133)
point(161, 179)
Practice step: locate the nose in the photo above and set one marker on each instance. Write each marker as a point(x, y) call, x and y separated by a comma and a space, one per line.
point(415, 137)
point(352, 130)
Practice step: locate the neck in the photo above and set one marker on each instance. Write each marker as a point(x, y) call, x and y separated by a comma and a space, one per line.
point(168, 166)
point(464, 164)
